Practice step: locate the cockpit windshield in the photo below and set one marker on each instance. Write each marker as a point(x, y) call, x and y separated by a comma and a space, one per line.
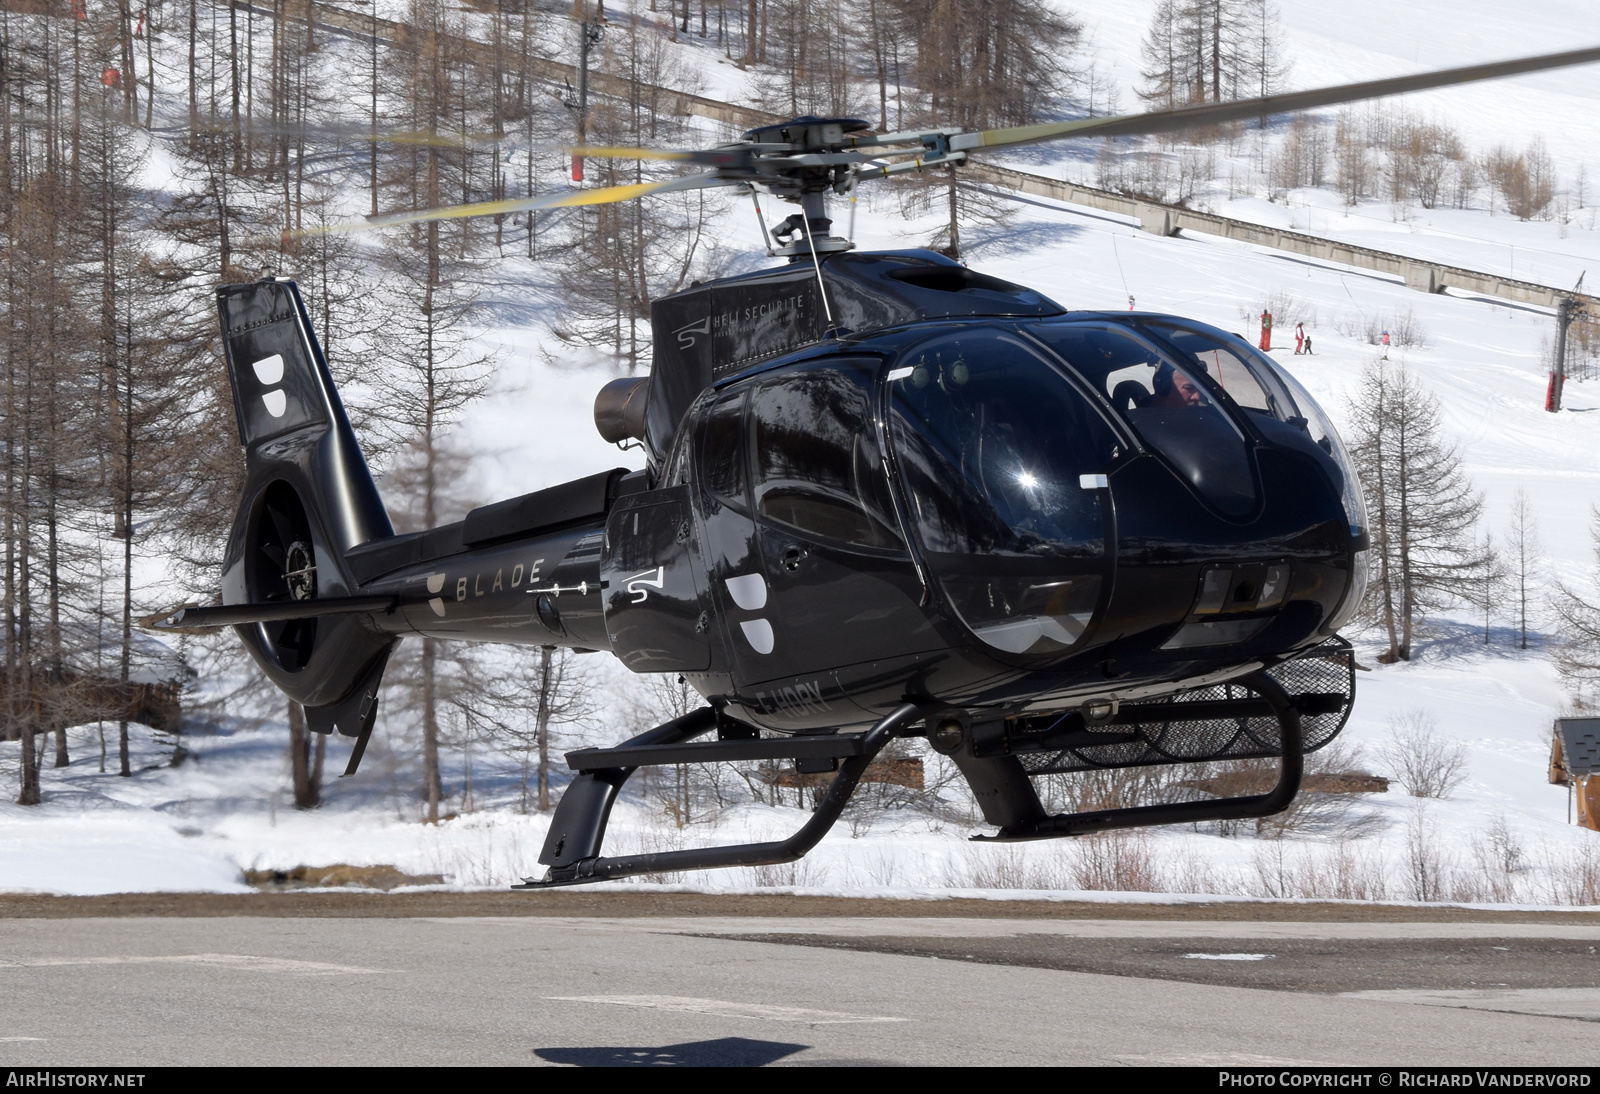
point(1001, 457)
point(1281, 408)
point(1248, 378)
point(993, 443)
point(1166, 402)
point(1286, 414)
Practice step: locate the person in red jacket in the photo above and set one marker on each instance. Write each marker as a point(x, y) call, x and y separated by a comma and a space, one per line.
point(1266, 329)
point(1299, 339)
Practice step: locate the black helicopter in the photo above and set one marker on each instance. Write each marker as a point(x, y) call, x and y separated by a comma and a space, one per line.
point(885, 496)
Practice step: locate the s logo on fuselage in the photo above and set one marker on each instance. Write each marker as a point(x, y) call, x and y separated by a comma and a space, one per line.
point(686, 335)
point(639, 585)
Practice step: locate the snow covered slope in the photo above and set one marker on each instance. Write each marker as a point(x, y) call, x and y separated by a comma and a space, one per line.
point(1342, 41)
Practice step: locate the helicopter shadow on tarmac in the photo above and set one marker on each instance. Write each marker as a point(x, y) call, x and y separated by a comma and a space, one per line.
point(722, 1052)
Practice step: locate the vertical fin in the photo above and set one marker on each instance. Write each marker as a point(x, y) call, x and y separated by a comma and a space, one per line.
point(361, 744)
point(354, 715)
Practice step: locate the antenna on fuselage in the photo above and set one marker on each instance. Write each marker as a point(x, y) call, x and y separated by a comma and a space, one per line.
point(755, 199)
point(814, 204)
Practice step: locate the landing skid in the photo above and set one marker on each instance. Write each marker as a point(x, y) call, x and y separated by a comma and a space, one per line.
point(571, 850)
point(999, 782)
point(1274, 701)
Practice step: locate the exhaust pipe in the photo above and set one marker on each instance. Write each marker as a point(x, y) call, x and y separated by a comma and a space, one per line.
point(619, 409)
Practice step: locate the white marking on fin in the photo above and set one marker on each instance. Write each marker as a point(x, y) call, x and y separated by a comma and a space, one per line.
point(748, 591)
point(758, 632)
point(277, 402)
point(269, 370)
point(437, 604)
point(435, 583)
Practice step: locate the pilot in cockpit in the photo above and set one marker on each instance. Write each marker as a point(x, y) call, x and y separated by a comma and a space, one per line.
point(1174, 389)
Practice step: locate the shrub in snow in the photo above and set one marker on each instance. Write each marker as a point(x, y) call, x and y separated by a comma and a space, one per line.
point(1429, 765)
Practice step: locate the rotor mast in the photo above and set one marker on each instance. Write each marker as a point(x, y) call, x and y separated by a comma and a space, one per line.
point(810, 231)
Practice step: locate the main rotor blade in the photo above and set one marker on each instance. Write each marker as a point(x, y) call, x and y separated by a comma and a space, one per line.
point(1206, 114)
point(259, 128)
point(605, 195)
point(423, 138)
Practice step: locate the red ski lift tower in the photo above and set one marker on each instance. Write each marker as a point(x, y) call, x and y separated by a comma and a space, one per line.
point(1567, 309)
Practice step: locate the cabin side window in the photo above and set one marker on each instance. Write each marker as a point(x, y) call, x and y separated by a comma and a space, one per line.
point(816, 463)
point(676, 472)
point(722, 453)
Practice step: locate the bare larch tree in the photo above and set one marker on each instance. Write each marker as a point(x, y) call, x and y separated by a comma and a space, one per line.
point(1424, 510)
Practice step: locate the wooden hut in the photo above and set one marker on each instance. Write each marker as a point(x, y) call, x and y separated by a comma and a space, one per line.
point(1575, 762)
point(87, 687)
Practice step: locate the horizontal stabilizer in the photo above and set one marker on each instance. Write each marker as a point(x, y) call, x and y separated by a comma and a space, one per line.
point(230, 615)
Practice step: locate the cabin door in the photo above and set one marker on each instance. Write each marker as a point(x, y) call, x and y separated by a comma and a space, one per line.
point(832, 586)
point(657, 615)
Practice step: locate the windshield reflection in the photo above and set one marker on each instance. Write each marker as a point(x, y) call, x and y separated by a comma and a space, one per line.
point(1167, 404)
point(1000, 455)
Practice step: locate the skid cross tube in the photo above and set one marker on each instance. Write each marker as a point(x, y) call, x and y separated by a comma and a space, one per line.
point(822, 746)
point(738, 854)
point(1273, 801)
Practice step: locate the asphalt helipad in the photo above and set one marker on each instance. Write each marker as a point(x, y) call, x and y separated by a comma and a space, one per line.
point(663, 979)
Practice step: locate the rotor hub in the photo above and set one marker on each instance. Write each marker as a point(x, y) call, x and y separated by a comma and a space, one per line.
point(808, 133)
point(300, 571)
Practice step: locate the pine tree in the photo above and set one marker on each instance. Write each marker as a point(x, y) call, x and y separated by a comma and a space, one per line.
point(1211, 51)
point(1423, 509)
point(1522, 557)
point(980, 65)
point(812, 59)
point(1489, 592)
point(434, 377)
point(1169, 71)
point(623, 256)
point(1577, 655)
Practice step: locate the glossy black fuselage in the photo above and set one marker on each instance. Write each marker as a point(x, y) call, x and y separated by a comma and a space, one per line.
point(927, 485)
point(794, 624)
